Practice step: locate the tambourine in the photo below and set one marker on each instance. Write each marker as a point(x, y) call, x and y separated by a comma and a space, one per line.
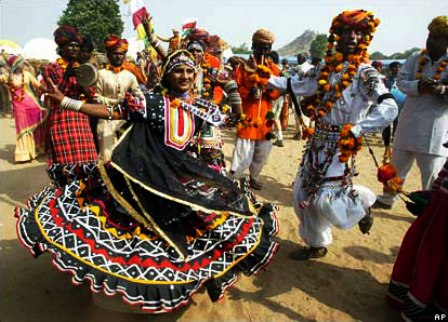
point(86, 75)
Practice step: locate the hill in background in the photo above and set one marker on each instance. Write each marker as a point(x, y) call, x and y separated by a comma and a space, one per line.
point(299, 45)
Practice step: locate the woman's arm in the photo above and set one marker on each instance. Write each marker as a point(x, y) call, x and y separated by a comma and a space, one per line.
point(95, 110)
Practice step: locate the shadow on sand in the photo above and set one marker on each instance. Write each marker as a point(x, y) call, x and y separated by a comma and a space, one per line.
point(361, 297)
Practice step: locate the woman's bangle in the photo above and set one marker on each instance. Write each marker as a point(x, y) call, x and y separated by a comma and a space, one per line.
point(443, 90)
point(70, 104)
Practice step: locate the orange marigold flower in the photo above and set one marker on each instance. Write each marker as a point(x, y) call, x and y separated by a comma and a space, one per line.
point(175, 103)
point(338, 57)
point(329, 104)
point(326, 87)
point(307, 133)
point(258, 121)
point(321, 113)
point(338, 68)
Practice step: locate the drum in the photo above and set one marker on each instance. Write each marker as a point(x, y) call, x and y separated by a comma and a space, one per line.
point(86, 75)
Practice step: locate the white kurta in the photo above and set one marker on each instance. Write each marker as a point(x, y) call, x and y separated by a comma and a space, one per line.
point(111, 89)
point(423, 122)
point(337, 202)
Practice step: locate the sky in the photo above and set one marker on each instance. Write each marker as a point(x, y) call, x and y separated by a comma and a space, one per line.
point(403, 22)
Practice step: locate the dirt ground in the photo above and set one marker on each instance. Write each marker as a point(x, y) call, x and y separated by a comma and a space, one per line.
point(348, 284)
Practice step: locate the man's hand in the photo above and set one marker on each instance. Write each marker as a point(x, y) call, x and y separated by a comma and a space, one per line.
point(428, 86)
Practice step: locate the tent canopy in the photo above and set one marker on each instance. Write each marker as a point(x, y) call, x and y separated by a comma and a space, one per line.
point(40, 48)
point(10, 47)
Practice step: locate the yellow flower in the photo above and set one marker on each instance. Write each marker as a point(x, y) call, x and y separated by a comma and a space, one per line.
point(322, 82)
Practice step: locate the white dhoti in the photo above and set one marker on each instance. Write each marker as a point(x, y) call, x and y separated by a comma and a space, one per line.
point(336, 202)
point(252, 154)
point(334, 205)
point(108, 137)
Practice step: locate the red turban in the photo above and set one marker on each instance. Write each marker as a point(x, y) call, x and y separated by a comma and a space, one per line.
point(199, 34)
point(66, 34)
point(356, 19)
point(113, 43)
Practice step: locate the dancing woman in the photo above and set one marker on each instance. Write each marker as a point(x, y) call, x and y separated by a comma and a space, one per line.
point(153, 224)
point(28, 114)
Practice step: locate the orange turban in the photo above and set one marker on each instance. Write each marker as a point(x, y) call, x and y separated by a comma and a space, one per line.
point(263, 36)
point(439, 26)
point(113, 43)
point(356, 19)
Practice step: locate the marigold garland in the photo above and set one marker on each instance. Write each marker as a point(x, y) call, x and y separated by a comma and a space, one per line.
point(64, 64)
point(261, 76)
point(348, 144)
point(424, 60)
point(328, 94)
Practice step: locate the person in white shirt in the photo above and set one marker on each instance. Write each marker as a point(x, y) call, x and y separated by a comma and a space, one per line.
point(302, 68)
point(112, 85)
point(423, 123)
point(344, 89)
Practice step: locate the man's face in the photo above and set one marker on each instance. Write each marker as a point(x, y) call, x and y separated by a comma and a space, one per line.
point(436, 43)
point(350, 38)
point(84, 55)
point(394, 70)
point(70, 50)
point(197, 53)
point(261, 49)
point(116, 57)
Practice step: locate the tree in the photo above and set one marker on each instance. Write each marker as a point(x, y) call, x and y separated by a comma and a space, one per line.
point(241, 49)
point(377, 55)
point(95, 19)
point(318, 47)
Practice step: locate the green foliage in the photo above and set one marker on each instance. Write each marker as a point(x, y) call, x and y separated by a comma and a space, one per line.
point(404, 55)
point(318, 47)
point(377, 56)
point(241, 49)
point(95, 19)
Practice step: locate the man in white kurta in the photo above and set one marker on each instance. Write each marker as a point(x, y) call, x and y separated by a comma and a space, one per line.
point(113, 83)
point(423, 123)
point(324, 194)
point(301, 70)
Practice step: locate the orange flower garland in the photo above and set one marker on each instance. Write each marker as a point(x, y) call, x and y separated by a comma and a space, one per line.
point(261, 76)
point(423, 61)
point(328, 94)
point(348, 144)
point(64, 64)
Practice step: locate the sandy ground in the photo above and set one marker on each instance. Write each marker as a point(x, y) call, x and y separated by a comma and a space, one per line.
point(349, 284)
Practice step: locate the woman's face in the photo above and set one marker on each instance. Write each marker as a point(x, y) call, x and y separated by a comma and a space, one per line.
point(181, 78)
